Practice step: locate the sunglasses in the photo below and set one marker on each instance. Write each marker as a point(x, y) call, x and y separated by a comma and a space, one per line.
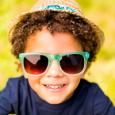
point(36, 64)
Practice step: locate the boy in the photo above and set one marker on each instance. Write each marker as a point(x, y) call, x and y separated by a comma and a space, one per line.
point(55, 45)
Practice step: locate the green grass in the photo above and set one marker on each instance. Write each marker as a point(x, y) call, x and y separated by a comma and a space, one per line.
point(101, 12)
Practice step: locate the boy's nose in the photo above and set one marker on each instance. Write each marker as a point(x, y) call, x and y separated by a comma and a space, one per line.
point(54, 70)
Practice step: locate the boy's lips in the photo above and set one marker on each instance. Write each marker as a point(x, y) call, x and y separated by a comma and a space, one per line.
point(55, 87)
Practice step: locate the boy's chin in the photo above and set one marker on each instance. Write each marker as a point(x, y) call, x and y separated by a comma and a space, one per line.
point(54, 101)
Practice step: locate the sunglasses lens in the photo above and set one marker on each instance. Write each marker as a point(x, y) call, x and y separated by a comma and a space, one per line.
point(35, 64)
point(72, 64)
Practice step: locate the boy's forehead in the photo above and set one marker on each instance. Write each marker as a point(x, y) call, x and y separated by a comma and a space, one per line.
point(46, 41)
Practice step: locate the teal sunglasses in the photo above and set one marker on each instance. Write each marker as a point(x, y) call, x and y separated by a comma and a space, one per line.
point(36, 64)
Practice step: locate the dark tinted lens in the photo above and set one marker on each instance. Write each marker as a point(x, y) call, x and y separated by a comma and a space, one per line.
point(72, 64)
point(35, 64)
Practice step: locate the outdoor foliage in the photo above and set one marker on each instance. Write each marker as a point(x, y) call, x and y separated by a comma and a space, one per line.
point(100, 12)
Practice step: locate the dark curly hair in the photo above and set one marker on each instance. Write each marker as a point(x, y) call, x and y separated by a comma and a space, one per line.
point(54, 21)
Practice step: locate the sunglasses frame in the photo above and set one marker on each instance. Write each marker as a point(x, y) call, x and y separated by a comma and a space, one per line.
point(52, 57)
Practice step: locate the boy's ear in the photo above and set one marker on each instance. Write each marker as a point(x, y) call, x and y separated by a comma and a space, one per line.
point(19, 66)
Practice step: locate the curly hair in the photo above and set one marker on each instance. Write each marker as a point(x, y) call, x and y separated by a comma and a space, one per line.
point(54, 21)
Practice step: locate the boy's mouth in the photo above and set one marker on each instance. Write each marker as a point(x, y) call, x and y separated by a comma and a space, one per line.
point(55, 87)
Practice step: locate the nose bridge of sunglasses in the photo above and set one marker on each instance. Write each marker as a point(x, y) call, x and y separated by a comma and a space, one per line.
point(56, 57)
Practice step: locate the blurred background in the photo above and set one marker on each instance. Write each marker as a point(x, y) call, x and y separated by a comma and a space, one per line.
point(101, 12)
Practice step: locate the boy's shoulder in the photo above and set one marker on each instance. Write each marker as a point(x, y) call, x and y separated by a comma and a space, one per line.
point(14, 87)
point(17, 80)
point(16, 83)
point(94, 92)
point(90, 86)
point(96, 99)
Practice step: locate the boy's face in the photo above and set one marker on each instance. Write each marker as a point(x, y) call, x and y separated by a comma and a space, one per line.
point(54, 86)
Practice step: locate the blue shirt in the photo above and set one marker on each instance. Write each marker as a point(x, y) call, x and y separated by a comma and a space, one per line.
point(19, 98)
